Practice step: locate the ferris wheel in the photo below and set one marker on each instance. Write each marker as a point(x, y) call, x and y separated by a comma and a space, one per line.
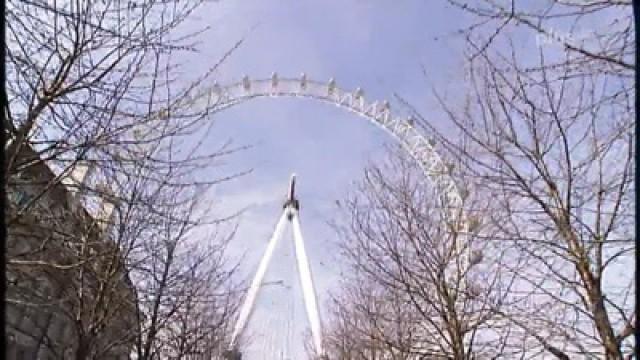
point(403, 129)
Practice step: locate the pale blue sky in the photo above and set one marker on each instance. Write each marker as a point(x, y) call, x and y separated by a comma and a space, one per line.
point(380, 46)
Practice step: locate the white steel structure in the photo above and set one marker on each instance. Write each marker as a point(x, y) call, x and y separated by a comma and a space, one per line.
point(403, 129)
point(289, 215)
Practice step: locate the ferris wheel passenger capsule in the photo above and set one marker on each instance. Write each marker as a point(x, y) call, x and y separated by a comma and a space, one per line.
point(303, 81)
point(274, 79)
point(358, 93)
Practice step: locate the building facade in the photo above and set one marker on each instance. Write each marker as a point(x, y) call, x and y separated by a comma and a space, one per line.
point(68, 294)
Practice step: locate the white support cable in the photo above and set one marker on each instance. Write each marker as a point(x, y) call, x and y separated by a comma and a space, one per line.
point(306, 282)
point(247, 307)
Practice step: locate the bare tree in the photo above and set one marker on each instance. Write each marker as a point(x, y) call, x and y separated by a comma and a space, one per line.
point(368, 324)
point(418, 288)
point(106, 246)
point(597, 36)
point(89, 80)
point(186, 298)
point(148, 276)
point(548, 135)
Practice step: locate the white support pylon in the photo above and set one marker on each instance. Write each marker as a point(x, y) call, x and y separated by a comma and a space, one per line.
point(290, 213)
point(308, 291)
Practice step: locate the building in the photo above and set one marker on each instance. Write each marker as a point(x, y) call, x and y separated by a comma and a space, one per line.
point(68, 294)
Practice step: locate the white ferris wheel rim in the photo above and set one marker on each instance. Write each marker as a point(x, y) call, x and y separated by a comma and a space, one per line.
point(417, 144)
